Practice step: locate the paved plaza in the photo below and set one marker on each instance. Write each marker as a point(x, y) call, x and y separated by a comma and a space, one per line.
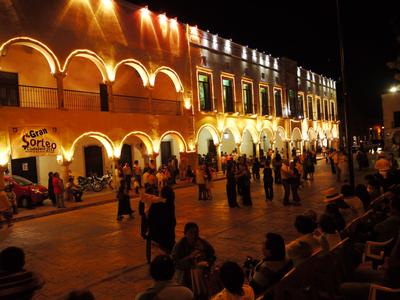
point(89, 248)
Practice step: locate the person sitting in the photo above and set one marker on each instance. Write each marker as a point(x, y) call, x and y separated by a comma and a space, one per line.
point(329, 235)
point(351, 200)
point(273, 266)
point(73, 190)
point(389, 227)
point(333, 211)
point(162, 271)
point(306, 226)
point(15, 281)
point(80, 295)
point(232, 278)
point(192, 253)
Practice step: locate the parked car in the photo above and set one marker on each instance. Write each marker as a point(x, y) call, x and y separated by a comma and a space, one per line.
point(27, 192)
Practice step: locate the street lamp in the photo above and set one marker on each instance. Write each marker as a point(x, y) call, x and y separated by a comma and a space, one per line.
point(394, 89)
point(346, 100)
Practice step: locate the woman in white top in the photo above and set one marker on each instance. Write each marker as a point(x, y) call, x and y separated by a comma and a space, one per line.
point(232, 278)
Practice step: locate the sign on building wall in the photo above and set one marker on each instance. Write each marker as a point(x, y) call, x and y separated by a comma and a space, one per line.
point(34, 141)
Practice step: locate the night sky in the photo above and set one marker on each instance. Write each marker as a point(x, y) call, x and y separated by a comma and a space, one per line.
point(306, 31)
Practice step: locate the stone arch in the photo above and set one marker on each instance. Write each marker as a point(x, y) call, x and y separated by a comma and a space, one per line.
point(328, 134)
point(137, 66)
point(94, 58)
point(296, 135)
point(281, 132)
point(268, 132)
point(102, 138)
point(48, 54)
point(177, 137)
point(212, 130)
point(235, 132)
point(171, 74)
point(144, 137)
point(312, 135)
point(253, 132)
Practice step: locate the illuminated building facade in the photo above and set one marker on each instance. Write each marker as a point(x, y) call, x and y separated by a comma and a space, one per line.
point(85, 83)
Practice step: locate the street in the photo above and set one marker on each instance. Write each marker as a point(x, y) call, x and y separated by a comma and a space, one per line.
point(88, 248)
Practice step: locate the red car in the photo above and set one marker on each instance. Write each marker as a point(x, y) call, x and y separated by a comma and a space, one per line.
point(27, 192)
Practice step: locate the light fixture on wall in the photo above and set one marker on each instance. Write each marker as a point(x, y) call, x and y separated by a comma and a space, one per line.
point(226, 135)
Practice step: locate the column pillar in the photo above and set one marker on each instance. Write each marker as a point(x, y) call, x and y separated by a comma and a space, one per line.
point(2, 170)
point(111, 103)
point(60, 88)
point(238, 148)
point(65, 174)
point(219, 162)
point(258, 150)
point(114, 165)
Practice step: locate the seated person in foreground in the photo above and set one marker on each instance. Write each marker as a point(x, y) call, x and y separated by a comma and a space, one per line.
point(273, 266)
point(162, 271)
point(329, 236)
point(15, 282)
point(306, 226)
point(232, 278)
point(389, 228)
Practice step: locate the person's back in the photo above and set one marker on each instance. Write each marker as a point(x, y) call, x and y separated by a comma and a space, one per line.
point(165, 288)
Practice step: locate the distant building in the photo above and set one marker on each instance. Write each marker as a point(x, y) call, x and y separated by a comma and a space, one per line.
point(85, 84)
point(391, 118)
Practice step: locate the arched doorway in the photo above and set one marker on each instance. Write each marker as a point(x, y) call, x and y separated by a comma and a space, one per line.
point(207, 141)
point(171, 144)
point(296, 139)
point(266, 141)
point(228, 144)
point(136, 145)
point(280, 142)
point(248, 146)
point(312, 137)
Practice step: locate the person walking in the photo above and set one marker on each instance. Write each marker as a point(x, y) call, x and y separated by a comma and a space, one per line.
point(268, 181)
point(50, 188)
point(286, 174)
point(277, 164)
point(255, 169)
point(243, 180)
point(161, 221)
point(127, 172)
point(231, 185)
point(124, 202)
point(58, 187)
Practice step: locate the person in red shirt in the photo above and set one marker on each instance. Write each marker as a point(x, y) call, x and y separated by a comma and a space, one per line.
point(58, 187)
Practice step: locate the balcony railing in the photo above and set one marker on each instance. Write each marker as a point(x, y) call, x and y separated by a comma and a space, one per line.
point(165, 107)
point(131, 104)
point(28, 96)
point(80, 100)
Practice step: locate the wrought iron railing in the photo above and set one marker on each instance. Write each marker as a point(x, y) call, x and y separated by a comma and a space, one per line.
point(28, 96)
point(131, 104)
point(80, 100)
point(165, 107)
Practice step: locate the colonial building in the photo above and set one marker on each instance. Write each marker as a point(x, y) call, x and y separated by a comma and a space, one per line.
point(391, 118)
point(85, 83)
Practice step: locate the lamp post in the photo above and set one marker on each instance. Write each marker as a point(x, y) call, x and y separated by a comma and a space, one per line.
point(346, 99)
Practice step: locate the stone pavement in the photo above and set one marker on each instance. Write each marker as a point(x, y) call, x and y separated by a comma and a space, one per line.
point(89, 248)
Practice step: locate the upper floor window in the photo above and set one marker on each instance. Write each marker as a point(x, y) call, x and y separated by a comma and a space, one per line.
point(333, 114)
point(292, 103)
point(310, 107)
point(247, 98)
point(278, 102)
point(396, 119)
point(227, 94)
point(204, 92)
point(326, 111)
point(319, 109)
point(9, 94)
point(300, 105)
point(264, 100)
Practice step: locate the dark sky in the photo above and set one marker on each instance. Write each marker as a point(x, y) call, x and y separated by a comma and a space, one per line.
point(306, 31)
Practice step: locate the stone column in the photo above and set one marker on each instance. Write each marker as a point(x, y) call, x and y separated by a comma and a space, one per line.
point(238, 148)
point(111, 103)
point(65, 174)
point(2, 170)
point(258, 150)
point(60, 88)
point(114, 165)
point(219, 162)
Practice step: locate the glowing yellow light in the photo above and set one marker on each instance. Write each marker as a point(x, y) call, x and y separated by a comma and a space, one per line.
point(144, 137)
point(145, 12)
point(108, 4)
point(178, 138)
point(142, 71)
point(39, 46)
point(171, 74)
point(59, 159)
point(163, 19)
point(212, 130)
point(187, 103)
point(393, 89)
point(102, 138)
point(4, 157)
point(174, 23)
point(92, 56)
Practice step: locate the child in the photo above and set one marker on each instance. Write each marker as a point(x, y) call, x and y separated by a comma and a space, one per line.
point(12, 198)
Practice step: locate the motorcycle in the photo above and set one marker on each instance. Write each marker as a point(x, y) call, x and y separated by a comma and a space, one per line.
point(105, 180)
point(86, 183)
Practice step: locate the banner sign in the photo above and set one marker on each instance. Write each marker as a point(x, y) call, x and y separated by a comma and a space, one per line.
point(34, 141)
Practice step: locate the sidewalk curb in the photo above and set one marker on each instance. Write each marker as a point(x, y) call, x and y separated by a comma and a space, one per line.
point(84, 205)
